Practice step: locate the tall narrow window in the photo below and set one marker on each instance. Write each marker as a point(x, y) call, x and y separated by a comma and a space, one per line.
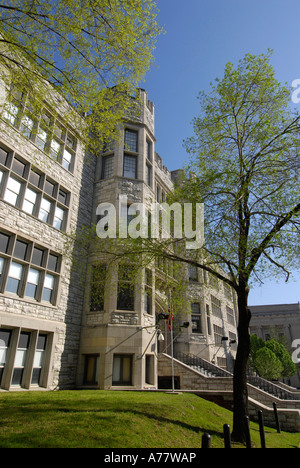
point(125, 298)
point(39, 359)
point(131, 141)
point(58, 218)
point(12, 191)
point(130, 166)
point(10, 113)
point(29, 202)
point(41, 139)
point(107, 167)
point(196, 318)
point(48, 288)
point(98, 287)
point(4, 345)
point(20, 359)
point(32, 283)
point(67, 160)
point(14, 278)
point(91, 369)
point(26, 126)
point(122, 370)
point(44, 213)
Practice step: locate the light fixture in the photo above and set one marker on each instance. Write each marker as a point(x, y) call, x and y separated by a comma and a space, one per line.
point(160, 336)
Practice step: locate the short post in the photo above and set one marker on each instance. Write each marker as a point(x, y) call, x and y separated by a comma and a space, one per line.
point(247, 432)
point(227, 436)
point(276, 417)
point(206, 441)
point(261, 429)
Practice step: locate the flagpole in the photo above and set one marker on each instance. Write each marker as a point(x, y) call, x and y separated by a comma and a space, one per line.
point(172, 354)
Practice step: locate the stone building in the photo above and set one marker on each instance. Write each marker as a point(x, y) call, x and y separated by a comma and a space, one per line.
point(69, 318)
point(279, 321)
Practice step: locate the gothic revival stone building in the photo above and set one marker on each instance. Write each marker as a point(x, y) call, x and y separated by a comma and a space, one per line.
point(64, 325)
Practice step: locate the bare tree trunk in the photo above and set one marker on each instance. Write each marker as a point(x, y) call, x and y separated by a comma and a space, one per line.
point(240, 392)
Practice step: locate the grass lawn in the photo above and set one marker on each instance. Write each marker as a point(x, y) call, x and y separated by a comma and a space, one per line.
point(103, 419)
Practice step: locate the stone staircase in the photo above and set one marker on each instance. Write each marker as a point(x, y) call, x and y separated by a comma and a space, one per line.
point(210, 370)
point(198, 376)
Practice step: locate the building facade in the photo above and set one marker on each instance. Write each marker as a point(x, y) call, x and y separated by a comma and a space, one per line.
point(69, 317)
point(279, 321)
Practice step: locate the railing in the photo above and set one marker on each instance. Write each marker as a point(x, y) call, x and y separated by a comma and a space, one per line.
point(192, 360)
point(271, 388)
point(215, 371)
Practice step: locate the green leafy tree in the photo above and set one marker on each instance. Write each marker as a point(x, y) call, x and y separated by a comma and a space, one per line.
point(245, 161)
point(267, 364)
point(94, 53)
point(288, 367)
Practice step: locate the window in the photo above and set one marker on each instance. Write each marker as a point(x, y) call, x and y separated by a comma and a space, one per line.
point(67, 160)
point(26, 126)
point(125, 298)
point(4, 241)
point(130, 166)
point(208, 319)
point(14, 278)
point(149, 149)
point(230, 315)
point(36, 278)
point(20, 250)
point(32, 283)
point(218, 334)
point(149, 175)
point(1, 266)
point(216, 306)
point(48, 288)
point(20, 359)
point(196, 318)
point(41, 139)
point(10, 113)
point(193, 273)
point(53, 262)
point(44, 130)
point(12, 191)
point(98, 287)
point(18, 167)
point(58, 218)
point(122, 369)
point(91, 369)
point(48, 202)
point(131, 141)
point(29, 201)
point(45, 208)
point(39, 359)
point(107, 167)
point(3, 156)
point(148, 292)
point(4, 346)
point(37, 256)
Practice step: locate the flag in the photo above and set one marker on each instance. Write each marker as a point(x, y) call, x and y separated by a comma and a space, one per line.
point(170, 320)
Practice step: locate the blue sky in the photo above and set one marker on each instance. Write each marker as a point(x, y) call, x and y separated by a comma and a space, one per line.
point(201, 37)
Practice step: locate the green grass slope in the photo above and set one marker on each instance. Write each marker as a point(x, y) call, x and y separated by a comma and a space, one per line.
point(103, 419)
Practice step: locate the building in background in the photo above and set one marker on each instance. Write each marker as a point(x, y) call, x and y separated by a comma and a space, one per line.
point(278, 321)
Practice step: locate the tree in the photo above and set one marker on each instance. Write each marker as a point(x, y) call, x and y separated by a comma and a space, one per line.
point(93, 52)
point(245, 164)
point(281, 367)
point(267, 364)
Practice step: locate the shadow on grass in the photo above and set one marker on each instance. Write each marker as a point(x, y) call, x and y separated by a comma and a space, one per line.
point(161, 419)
